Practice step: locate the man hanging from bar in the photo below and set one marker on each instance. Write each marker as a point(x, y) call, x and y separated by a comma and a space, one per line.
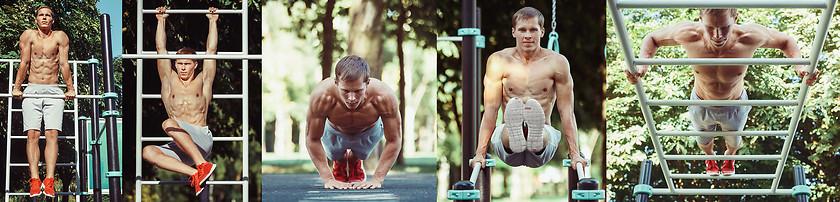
point(718, 36)
point(43, 53)
point(347, 117)
point(529, 79)
point(186, 91)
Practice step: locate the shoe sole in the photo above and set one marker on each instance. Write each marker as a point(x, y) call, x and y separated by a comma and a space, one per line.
point(514, 118)
point(712, 174)
point(535, 119)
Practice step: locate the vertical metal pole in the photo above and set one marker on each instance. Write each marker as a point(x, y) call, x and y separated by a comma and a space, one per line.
point(819, 40)
point(138, 109)
point(799, 178)
point(644, 178)
point(114, 173)
point(97, 169)
point(83, 154)
point(8, 130)
point(484, 178)
point(468, 90)
point(95, 135)
point(621, 31)
point(245, 102)
point(75, 124)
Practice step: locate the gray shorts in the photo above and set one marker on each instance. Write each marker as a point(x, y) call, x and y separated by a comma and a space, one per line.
point(526, 158)
point(48, 110)
point(730, 118)
point(336, 143)
point(200, 135)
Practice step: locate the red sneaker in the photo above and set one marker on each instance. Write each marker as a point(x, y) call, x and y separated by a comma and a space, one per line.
point(49, 187)
point(340, 171)
point(207, 169)
point(356, 171)
point(195, 182)
point(35, 187)
point(728, 167)
point(712, 168)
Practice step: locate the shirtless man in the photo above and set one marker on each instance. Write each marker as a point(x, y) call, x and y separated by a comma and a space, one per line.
point(534, 76)
point(43, 52)
point(717, 36)
point(348, 115)
point(186, 94)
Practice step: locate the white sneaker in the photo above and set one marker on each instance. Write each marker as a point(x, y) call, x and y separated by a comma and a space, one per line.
point(513, 124)
point(535, 119)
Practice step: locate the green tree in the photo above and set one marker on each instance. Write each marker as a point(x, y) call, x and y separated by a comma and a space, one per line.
point(224, 116)
point(815, 141)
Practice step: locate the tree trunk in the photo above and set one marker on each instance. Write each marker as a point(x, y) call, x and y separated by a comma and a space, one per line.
point(401, 56)
point(365, 38)
point(327, 40)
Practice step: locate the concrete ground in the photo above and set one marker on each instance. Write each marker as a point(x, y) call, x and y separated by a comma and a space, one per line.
point(308, 187)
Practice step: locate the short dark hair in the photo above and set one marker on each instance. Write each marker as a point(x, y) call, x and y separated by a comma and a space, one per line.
point(527, 13)
point(352, 68)
point(188, 51)
point(709, 11)
point(52, 13)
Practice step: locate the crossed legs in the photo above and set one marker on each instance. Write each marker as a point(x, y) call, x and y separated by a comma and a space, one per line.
point(154, 155)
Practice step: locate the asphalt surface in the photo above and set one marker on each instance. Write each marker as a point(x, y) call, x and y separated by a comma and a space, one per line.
point(308, 187)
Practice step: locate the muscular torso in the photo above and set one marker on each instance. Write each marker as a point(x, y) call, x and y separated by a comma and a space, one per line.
point(44, 57)
point(352, 121)
point(186, 102)
point(719, 82)
point(532, 80)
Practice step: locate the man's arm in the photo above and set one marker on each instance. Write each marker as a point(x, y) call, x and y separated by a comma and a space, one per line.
point(315, 120)
point(492, 102)
point(781, 41)
point(565, 106)
point(25, 54)
point(64, 65)
point(668, 36)
point(164, 65)
point(209, 70)
point(389, 111)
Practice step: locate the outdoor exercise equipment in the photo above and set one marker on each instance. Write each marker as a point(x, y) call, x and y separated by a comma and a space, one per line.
point(643, 190)
point(583, 188)
point(465, 190)
point(242, 55)
point(79, 132)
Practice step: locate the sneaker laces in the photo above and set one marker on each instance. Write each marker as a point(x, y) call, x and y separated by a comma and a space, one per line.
point(50, 185)
point(194, 178)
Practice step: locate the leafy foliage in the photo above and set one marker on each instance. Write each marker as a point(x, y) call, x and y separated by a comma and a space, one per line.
point(815, 141)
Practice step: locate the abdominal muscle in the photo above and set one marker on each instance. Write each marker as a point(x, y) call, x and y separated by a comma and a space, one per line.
point(719, 82)
point(185, 103)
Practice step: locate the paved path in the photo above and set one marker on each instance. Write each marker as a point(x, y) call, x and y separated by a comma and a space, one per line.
point(308, 187)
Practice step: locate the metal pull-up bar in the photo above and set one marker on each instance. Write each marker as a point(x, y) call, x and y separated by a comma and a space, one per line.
point(6, 95)
point(722, 61)
point(193, 11)
point(196, 57)
point(645, 4)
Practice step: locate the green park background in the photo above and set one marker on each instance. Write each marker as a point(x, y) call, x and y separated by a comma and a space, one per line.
point(815, 141)
point(580, 26)
point(224, 116)
point(80, 21)
point(302, 42)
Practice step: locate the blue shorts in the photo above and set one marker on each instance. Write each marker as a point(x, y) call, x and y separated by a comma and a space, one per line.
point(526, 158)
point(730, 118)
point(336, 143)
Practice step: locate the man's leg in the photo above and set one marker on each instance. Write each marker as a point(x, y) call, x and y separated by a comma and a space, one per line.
point(506, 141)
point(154, 155)
point(708, 148)
point(51, 151)
point(33, 152)
point(183, 140)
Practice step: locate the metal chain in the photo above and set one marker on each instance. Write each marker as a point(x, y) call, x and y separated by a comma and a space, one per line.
point(553, 15)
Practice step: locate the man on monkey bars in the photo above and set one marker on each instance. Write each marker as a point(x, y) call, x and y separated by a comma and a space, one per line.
point(186, 90)
point(529, 79)
point(43, 52)
point(717, 36)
